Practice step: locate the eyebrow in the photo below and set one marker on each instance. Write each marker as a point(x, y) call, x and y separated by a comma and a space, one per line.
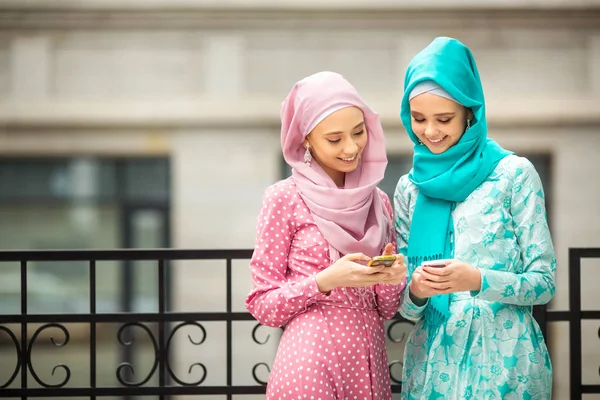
point(438, 114)
point(338, 132)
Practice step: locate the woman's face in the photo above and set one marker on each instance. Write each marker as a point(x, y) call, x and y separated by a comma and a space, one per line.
point(438, 122)
point(337, 142)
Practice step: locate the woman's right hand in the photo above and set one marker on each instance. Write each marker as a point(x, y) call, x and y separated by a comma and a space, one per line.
point(347, 272)
point(419, 292)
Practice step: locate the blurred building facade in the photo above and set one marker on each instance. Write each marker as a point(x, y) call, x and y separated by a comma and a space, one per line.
point(155, 123)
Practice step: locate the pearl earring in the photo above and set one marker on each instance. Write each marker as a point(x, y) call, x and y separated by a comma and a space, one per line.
point(468, 124)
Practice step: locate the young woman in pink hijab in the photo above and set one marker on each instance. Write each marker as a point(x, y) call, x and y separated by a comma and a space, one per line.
point(316, 232)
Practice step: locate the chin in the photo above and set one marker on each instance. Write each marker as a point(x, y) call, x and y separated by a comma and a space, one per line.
point(346, 169)
point(437, 150)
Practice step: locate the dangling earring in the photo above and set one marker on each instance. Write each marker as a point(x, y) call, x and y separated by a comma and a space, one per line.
point(307, 155)
point(468, 124)
point(420, 143)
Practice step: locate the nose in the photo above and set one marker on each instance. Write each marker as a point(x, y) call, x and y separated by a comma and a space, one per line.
point(351, 148)
point(430, 129)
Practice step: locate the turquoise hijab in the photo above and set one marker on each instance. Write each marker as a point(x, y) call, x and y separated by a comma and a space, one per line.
point(447, 178)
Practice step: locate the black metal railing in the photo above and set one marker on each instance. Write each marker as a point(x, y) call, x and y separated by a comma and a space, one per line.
point(575, 316)
point(161, 339)
point(160, 328)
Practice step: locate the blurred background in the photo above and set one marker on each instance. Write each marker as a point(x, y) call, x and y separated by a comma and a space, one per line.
point(155, 123)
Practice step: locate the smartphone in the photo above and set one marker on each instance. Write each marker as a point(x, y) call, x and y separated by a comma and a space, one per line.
point(435, 263)
point(388, 261)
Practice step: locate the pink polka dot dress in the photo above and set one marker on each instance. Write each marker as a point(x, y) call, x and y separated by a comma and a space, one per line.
point(333, 345)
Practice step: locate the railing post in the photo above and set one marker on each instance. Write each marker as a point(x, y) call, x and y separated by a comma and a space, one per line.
point(575, 323)
point(23, 354)
point(92, 326)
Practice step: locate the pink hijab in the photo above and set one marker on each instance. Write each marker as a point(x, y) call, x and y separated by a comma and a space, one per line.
point(352, 219)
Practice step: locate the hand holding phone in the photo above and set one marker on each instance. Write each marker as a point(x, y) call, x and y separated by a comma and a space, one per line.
point(455, 276)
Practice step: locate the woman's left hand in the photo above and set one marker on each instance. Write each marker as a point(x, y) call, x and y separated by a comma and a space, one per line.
point(396, 274)
point(456, 276)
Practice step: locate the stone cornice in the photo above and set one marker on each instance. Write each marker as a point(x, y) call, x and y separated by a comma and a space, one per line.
point(331, 14)
point(296, 5)
point(547, 111)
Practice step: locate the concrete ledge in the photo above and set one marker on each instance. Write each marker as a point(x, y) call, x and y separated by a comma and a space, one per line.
point(331, 14)
point(546, 111)
point(298, 4)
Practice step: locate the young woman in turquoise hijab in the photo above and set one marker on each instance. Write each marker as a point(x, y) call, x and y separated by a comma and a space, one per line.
point(480, 210)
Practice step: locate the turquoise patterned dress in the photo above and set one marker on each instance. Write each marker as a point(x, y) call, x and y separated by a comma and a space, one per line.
point(490, 347)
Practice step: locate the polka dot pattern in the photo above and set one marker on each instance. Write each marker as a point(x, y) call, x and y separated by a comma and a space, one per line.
point(333, 345)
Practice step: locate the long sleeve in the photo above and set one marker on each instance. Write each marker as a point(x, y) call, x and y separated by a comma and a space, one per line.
point(535, 283)
point(274, 299)
point(388, 296)
point(408, 309)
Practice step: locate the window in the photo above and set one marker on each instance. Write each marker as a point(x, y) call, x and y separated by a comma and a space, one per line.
point(82, 203)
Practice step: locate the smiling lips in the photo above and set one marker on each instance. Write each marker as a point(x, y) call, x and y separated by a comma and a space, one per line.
point(348, 159)
point(436, 141)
